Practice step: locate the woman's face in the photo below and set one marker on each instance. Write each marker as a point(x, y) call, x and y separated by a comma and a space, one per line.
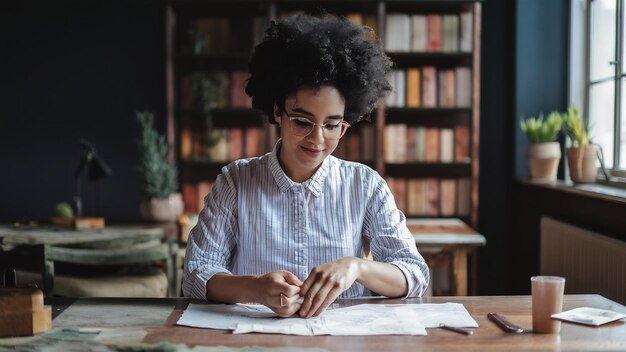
point(300, 155)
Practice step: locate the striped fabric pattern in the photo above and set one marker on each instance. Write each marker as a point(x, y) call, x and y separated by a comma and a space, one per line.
point(257, 220)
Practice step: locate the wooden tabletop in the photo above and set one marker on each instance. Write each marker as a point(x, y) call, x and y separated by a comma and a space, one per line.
point(54, 235)
point(444, 232)
point(157, 318)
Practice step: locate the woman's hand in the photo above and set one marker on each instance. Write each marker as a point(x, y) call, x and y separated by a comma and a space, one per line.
point(279, 290)
point(326, 282)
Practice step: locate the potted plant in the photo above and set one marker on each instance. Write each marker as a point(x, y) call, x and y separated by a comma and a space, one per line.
point(161, 202)
point(544, 152)
point(581, 156)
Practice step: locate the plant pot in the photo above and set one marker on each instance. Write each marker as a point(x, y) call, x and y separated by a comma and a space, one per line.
point(162, 209)
point(582, 163)
point(543, 160)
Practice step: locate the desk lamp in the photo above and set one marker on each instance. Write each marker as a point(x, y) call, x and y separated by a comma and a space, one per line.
point(96, 169)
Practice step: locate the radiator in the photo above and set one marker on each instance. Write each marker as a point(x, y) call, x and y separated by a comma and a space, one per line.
point(590, 262)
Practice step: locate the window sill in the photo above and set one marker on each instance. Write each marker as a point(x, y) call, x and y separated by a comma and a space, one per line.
point(596, 190)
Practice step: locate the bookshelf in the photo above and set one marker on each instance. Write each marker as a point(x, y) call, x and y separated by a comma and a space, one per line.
point(424, 139)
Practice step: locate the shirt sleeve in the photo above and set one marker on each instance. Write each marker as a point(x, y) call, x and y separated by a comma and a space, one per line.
point(212, 241)
point(391, 241)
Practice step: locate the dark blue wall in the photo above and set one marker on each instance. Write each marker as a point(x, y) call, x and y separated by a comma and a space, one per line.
point(72, 69)
point(541, 66)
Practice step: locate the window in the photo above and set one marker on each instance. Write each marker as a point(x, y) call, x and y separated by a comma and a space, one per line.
point(605, 84)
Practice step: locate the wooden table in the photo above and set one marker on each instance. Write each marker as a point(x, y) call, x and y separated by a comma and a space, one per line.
point(127, 320)
point(433, 235)
point(35, 248)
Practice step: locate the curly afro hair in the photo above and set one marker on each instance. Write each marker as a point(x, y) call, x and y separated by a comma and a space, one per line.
point(302, 50)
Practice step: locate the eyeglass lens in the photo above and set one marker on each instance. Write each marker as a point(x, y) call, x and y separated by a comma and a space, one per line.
point(330, 130)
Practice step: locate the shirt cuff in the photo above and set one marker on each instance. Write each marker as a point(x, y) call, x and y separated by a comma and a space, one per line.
point(198, 286)
point(415, 286)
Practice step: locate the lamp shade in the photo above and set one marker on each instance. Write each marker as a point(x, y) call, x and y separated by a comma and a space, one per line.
point(97, 168)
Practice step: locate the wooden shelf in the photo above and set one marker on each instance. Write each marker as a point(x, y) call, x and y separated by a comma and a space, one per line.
point(430, 117)
point(429, 170)
point(187, 63)
point(439, 60)
point(223, 118)
point(241, 14)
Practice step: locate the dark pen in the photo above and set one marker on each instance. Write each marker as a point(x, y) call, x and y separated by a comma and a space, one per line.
point(457, 330)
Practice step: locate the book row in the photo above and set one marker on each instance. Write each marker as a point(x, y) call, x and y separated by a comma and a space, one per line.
point(447, 33)
point(208, 90)
point(223, 35)
point(222, 145)
point(431, 196)
point(404, 144)
point(428, 87)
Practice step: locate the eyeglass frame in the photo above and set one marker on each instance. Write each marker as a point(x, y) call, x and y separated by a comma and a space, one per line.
point(322, 126)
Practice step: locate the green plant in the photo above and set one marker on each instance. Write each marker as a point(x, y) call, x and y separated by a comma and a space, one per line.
point(576, 128)
point(160, 177)
point(540, 130)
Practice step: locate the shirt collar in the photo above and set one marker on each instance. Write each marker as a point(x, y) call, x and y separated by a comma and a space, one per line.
point(313, 184)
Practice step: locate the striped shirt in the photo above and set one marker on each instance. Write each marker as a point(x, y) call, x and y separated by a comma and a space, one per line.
point(257, 220)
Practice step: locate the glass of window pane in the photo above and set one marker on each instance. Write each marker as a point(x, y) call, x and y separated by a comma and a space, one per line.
point(602, 51)
point(601, 121)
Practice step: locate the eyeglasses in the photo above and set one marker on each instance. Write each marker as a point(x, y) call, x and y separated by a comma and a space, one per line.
point(301, 127)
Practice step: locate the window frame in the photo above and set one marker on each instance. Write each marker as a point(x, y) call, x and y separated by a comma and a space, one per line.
point(618, 77)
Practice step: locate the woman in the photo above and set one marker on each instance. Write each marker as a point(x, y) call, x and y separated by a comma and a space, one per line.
point(293, 223)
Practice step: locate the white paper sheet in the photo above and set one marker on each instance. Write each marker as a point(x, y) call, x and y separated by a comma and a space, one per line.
point(362, 319)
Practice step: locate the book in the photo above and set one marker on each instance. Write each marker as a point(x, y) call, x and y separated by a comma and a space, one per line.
point(219, 151)
point(461, 144)
point(417, 197)
point(400, 81)
point(446, 88)
point(190, 199)
point(420, 143)
point(203, 188)
point(448, 197)
point(432, 196)
point(431, 152)
point(236, 144)
point(464, 197)
point(397, 32)
point(419, 30)
point(410, 143)
point(397, 186)
point(446, 143)
point(429, 87)
point(238, 96)
point(413, 88)
point(399, 143)
point(368, 142)
point(466, 32)
point(450, 33)
point(434, 32)
point(463, 87)
point(252, 143)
